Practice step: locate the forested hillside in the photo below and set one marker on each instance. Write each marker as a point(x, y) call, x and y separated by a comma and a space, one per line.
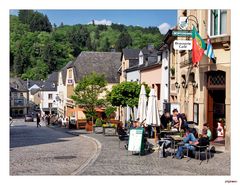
point(37, 48)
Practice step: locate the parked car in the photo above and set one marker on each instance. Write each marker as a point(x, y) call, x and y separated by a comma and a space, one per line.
point(28, 118)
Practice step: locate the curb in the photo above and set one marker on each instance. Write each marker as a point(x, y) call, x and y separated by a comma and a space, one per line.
point(91, 160)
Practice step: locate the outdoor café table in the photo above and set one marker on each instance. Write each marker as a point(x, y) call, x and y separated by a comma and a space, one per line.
point(175, 139)
point(168, 132)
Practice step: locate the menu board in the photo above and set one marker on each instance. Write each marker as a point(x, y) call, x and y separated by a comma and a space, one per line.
point(135, 139)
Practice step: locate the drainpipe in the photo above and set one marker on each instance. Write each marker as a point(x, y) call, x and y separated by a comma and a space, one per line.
point(169, 74)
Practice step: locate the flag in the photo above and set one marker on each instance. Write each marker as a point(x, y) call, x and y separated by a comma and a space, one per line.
point(209, 51)
point(198, 47)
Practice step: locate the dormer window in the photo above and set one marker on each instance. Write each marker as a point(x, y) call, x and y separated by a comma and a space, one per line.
point(53, 85)
point(70, 73)
point(140, 58)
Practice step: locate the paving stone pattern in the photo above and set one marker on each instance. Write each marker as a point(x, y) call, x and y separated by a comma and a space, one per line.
point(44, 151)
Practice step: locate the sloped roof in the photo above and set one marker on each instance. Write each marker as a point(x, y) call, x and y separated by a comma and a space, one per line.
point(49, 86)
point(18, 84)
point(133, 62)
point(106, 63)
point(131, 53)
point(53, 77)
point(51, 83)
point(35, 83)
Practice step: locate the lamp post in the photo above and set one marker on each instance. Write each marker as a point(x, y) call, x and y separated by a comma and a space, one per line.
point(177, 85)
point(184, 85)
point(194, 84)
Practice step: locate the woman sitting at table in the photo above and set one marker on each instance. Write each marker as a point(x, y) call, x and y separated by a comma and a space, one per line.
point(190, 140)
point(176, 120)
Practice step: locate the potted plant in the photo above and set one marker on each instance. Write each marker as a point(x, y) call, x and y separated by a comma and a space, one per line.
point(109, 129)
point(98, 126)
point(90, 115)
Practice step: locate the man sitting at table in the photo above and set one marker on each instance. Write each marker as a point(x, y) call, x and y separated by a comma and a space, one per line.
point(190, 140)
point(165, 119)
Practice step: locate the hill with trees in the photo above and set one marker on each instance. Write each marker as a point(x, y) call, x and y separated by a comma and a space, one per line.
point(38, 48)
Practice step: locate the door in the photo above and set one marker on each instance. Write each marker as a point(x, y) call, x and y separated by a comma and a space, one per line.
point(215, 99)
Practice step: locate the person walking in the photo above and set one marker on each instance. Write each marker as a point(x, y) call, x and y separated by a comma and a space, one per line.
point(38, 120)
point(48, 119)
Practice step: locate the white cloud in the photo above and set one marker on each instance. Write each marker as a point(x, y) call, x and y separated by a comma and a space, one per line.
point(103, 22)
point(164, 27)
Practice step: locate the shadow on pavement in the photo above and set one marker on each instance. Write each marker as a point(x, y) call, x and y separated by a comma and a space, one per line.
point(29, 135)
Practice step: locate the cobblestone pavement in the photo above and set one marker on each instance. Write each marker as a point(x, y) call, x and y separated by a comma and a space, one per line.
point(113, 160)
point(44, 151)
point(116, 161)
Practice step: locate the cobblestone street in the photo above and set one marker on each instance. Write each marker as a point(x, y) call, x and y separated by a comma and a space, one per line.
point(44, 151)
point(60, 151)
point(115, 161)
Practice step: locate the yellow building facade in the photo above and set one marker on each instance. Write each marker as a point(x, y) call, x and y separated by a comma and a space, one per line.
point(204, 92)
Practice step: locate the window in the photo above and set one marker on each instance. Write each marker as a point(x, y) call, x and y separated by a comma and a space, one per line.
point(218, 22)
point(50, 105)
point(70, 73)
point(18, 102)
point(50, 96)
point(21, 94)
point(158, 91)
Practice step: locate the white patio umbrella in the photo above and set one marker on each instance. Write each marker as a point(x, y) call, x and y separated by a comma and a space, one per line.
point(152, 118)
point(142, 105)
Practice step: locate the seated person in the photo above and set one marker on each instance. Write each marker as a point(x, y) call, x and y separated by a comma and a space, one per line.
point(136, 124)
point(209, 133)
point(176, 120)
point(165, 119)
point(164, 144)
point(184, 125)
point(190, 140)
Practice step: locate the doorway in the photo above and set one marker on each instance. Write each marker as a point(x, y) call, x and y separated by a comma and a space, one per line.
point(216, 113)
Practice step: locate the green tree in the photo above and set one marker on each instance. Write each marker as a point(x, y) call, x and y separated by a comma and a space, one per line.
point(25, 16)
point(126, 94)
point(78, 38)
point(123, 41)
point(106, 45)
point(37, 72)
point(40, 22)
point(86, 93)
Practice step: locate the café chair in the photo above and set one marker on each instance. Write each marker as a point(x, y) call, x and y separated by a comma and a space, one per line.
point(199, 150)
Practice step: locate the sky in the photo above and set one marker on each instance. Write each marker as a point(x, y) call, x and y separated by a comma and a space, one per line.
point(163, 19)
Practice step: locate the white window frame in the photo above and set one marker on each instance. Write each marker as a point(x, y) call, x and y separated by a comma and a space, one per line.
point(209, 25)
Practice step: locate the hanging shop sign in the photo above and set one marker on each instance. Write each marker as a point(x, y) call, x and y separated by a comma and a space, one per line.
point(183, 23)
point(182, 33)
point(182, 44)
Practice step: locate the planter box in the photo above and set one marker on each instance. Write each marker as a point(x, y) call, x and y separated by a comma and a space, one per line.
point(109, 131)
point(97, 129)
point(89, 127)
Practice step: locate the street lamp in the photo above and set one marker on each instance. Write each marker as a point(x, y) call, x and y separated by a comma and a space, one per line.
point(184, 85)
point(194, 84)
point(177, 85)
